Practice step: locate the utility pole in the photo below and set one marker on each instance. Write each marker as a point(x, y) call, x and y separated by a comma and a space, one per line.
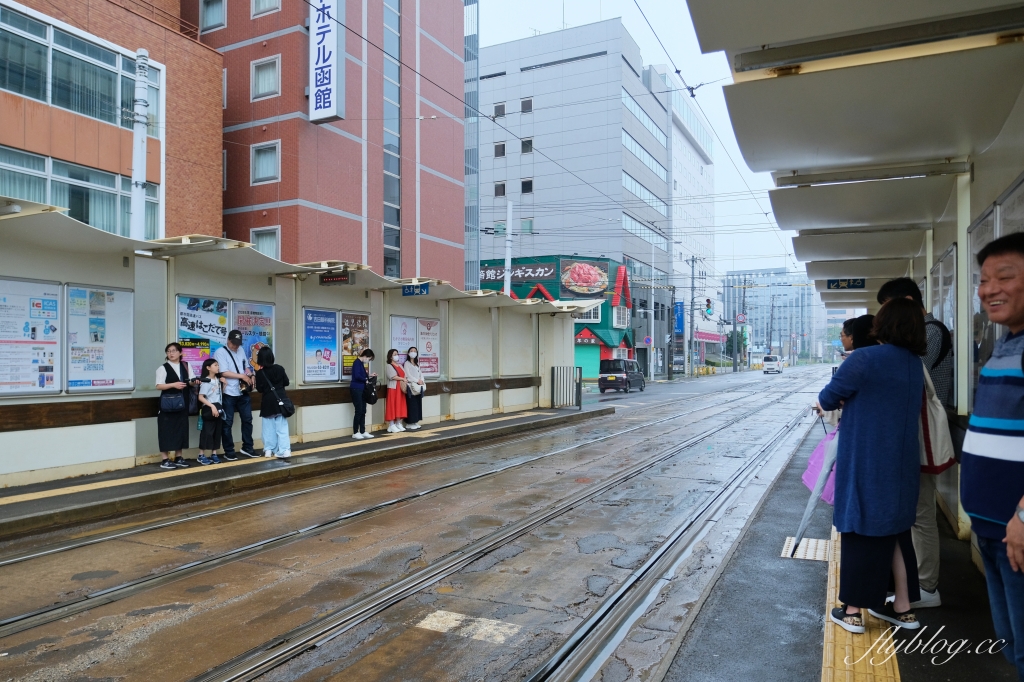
point(671, 350)
point(508, 250)
point(771, 325)
point(735, 355)
point(692, 260)
point(140, 121)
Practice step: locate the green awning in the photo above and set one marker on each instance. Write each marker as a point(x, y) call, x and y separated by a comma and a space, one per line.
point(611, 337)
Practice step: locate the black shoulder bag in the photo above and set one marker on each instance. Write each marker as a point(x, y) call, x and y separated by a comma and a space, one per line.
point(284, 403)
point(172, 400)
point(370, 391)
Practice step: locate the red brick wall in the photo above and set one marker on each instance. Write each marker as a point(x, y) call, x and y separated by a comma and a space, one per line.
point(193, 104)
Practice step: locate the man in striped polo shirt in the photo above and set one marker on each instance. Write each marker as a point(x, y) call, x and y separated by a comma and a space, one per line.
point(992, 467)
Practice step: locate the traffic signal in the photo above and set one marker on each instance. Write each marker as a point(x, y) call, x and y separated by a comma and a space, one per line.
point(708, 308)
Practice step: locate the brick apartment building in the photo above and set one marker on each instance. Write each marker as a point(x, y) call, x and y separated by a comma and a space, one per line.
point(66, 83)
point(383, 185)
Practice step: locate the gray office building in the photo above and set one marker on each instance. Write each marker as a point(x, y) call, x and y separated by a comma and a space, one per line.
point(583, 142)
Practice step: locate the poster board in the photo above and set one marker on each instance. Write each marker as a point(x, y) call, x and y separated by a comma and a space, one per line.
point(256, 322)
point(320, 360)
point(31, 346)
point(100, 338)
point(403, 335)
point(355, 337)
point(428, 342)
point(202, 319)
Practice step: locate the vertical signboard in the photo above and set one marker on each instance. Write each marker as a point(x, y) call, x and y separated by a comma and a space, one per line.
point(101, 339)
point(320, 345)
point(355, 337)
point(428, 341)
point(203, 319)
point(30, 337)
point(403, 335)
point(256, 322)
point(326, 61)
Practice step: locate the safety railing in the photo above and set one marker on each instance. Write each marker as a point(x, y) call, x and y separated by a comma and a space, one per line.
point(567, 386)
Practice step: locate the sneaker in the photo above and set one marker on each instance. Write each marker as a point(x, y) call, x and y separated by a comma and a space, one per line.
point(399, 426)
point(228, 456)
point(358, 436)
point(248, 453)
point(204, 460)
point(392, 429)
point(181, 463)
point(851, 622)
point(904, 620)
point(284, 455)
point(268, 453)
point(367, 435)
point(167, 464)
point(412, 427)
point(928, 600)
point(214, 459)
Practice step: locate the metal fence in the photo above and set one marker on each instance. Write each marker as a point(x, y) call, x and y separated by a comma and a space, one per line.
point(567, 386)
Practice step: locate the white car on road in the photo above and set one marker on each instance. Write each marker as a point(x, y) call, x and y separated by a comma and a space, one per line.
point(772, 363)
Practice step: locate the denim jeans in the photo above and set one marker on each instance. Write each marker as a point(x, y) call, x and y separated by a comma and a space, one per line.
point(1006, 598)
point(243, 406)
point(275, 435)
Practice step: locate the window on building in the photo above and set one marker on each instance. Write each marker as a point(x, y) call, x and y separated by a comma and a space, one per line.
point(266, 80)
point(212, 14)
point(84, 88)
point(499, 189)
point(392, 263)
point(264, 6)
point(23, 66)
point(499, 109)
point(592, 315)
point(526, 105)
point(499, 150)
point(392, 139)
point(22, 176)
point(620, 353)
point(620, 317)
point(224, 89)
point(526, 226)
point(527, 186)
point(266, 165)
point(527, 146)
point(267, 240)
point(499, 229)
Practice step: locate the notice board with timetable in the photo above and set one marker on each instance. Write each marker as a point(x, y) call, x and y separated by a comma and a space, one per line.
point(31, 331)
point(100, 338)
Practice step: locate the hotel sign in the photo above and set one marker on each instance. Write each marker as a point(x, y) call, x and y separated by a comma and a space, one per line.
point(326, 60)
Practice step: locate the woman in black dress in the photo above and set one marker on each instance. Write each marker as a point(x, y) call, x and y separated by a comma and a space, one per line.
point(172, 427)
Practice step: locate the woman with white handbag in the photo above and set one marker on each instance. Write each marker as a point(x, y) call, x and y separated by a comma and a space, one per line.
point(415, 386)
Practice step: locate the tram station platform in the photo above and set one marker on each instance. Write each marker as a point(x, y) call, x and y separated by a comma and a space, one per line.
point(765, 616)
point(45, 506)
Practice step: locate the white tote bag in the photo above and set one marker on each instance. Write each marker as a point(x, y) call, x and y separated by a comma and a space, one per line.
point(933, 432)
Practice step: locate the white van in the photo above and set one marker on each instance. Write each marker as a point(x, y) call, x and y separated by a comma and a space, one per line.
point(772, 363)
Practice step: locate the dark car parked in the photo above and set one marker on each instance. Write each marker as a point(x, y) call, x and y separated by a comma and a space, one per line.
point(621, 375)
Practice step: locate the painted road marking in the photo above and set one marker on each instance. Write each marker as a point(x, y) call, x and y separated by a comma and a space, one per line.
point(196, 468)
point(483, 629)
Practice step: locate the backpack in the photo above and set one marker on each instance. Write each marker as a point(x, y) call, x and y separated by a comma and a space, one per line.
point(947, 343)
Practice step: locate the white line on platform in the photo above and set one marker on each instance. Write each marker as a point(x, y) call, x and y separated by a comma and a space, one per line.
point(482, 629)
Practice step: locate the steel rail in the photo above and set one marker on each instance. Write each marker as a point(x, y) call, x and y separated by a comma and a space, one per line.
point(49, 614)
point(581, 656)
point(319, 631)
point(103, 536)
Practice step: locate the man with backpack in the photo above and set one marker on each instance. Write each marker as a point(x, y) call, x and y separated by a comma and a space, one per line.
point(938, 360)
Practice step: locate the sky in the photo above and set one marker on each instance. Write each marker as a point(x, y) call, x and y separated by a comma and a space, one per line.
point(743, 236)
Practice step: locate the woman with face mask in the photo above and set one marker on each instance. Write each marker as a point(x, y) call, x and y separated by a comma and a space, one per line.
point(415, 388)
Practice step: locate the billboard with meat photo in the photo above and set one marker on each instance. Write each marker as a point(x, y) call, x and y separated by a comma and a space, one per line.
point(582, 278)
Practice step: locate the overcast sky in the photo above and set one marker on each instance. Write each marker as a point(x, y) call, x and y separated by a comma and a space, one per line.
point(742, 228)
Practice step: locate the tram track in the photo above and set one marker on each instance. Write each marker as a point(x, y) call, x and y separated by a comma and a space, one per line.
point(49, 614)
point(323, 629)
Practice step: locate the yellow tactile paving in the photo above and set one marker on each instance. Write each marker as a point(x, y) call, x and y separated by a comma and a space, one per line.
point(99, 485)
point(847, 657)
point(811, 549)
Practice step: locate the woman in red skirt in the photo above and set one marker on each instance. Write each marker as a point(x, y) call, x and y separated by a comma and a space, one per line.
point(395, 407)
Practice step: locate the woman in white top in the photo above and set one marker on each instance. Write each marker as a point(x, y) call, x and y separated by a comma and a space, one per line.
point(172, 427)
point(414, 392)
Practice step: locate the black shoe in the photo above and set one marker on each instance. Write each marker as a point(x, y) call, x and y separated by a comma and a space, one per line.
point(229, 456)
point(248, 452)
point(851, 622)
point(888, 613)
point(181, 463)
point(167, 464)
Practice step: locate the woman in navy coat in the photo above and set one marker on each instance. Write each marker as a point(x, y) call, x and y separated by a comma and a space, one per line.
point(880, 389)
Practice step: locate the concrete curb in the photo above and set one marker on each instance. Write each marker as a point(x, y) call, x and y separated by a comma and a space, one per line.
point(93, 511)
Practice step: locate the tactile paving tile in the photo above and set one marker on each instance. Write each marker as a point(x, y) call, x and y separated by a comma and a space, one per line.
point(809, 548)
point(847, 657)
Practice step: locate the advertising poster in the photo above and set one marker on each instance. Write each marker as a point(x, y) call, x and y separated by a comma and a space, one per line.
point(320, 345)
point(256, 322)
point(582, 278)
point(428, 341)
point(355, 336)
point(195, 352)
point(101, 339)
point(30, 345)
point(203, 319)
point(403, 335)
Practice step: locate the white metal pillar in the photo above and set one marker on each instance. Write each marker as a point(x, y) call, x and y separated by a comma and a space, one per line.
point(137, 220)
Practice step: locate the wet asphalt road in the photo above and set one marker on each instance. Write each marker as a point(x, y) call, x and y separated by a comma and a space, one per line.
point(494, 619)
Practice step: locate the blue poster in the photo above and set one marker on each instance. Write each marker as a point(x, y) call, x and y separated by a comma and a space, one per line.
point(680, 317)
point(320, 345)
